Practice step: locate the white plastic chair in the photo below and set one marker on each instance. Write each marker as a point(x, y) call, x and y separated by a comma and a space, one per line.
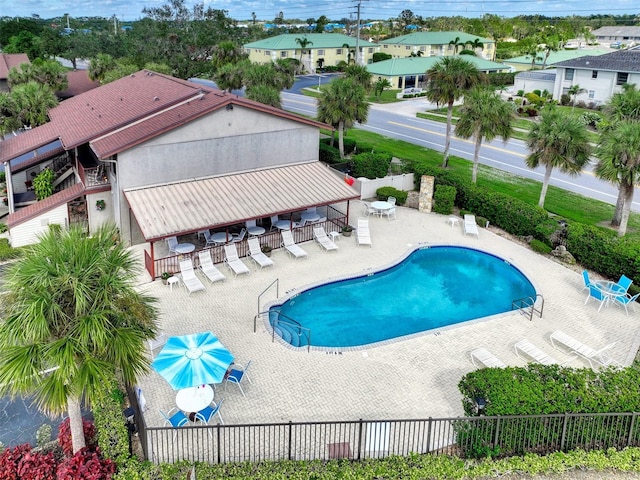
point(233, 260)
point(238, 237)
point(172, 243)
point(189, 278)
point(289, 243)
point(256, 254)
point(321, 237)
point(208, 268)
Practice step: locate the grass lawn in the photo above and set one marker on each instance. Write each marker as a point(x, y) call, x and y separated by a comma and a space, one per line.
point(558, 201)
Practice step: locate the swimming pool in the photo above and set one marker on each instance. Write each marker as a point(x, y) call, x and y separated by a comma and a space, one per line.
point(431, 288)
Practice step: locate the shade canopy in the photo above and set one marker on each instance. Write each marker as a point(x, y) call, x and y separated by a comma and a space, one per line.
point(190, 360)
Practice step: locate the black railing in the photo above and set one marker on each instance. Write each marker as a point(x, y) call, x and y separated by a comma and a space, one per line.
point(465, 437)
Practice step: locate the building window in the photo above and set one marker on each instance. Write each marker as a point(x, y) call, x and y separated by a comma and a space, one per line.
point(423, 48)
point(622, 78)
point(594, 74)
point(386, 46)
point(267, 53)
point(370, 50)
point(592, 94)
point(407, 47)
point(283, 54)
point(338, 51)
point(320, 52)
point(568, 74)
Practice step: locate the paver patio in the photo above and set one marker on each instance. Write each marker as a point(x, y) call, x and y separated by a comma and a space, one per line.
point(411, 378)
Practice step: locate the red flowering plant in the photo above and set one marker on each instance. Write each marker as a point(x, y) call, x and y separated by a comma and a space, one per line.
point(64, 436)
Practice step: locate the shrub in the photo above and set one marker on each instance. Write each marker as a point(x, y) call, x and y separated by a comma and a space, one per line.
point(86, 465)
point(43, 435)
point(349, 145)
point(565, 99)
point(520, 93)
point(112, 434)
point(385, 192)
point(43, 184)
point(64, 435)
point(329, 154)
point(444, 199)
point(380, 56)
point(371, 165)
point(9, 460)
point(37, 466)
point(532, 112)
point(3, 227)
point(590, 119)
point(540, 247)
point(7, 252)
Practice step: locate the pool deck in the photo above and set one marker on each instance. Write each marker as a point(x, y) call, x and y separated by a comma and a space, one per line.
point(411, 378)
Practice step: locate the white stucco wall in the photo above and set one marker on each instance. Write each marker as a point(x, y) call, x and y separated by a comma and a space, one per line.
point(27, 233)
point(598, 90)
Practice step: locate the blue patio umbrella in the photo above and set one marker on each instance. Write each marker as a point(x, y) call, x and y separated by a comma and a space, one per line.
point(190, 360)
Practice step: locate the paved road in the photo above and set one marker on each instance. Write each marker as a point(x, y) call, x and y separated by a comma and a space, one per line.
point(398, 120)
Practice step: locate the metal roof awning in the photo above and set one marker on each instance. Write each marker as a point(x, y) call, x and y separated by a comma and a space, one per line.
point(186, 207)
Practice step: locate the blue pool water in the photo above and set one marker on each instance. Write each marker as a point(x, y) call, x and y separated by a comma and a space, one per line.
point(433, 287)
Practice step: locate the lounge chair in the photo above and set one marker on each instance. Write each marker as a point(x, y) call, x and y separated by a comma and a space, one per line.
point(208, 268)
point(525, 347)
point(485, 358)
point(470, 225)
point(189, 278)
point(233, 260)
point(289, 243)
point(363, 235)
point(321, 237)
point(597, 357)
point(256, 254)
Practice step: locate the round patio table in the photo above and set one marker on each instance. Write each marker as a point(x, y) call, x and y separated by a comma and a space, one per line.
point(194, 399)
point(256, 231)
point(284, 225)
point(221, 237)
point(184, 248)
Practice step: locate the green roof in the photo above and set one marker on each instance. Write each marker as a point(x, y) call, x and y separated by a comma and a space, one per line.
point(317, 40)
point(555, 57)
point(434, 38)
point(419, 65)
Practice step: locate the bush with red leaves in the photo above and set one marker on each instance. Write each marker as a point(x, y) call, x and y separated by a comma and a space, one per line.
point(86, 465)
point(64, 436)
point(37, 466)
point(10, 459)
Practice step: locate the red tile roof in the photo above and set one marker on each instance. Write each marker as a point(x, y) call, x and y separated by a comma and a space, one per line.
point(79, 82)
point(130, 110)
point(10, 60)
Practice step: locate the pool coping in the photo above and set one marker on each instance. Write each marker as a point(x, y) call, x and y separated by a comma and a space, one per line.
point(294, 292)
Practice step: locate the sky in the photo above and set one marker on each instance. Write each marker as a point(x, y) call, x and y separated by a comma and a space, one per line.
point(303, 9)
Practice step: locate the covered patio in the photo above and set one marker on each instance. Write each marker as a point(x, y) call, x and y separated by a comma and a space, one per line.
point(225, 202)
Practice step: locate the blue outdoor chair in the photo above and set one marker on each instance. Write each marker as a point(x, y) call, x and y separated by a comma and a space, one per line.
point(587, 280)
point(237, 374)
point(595, 292)
point(626, 300)
point(207, 413)
point(177, 420)
point(625, 282)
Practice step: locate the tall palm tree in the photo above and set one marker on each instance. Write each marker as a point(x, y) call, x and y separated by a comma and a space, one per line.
point(100, 65)
point(304, 42)
point(574, 91)
point(341, 105)
point(456, 43)
point(360, 75)
point(265, 94)
point(33, 101)
point(619, 154)
point(484, 116)
point(71, 310)
point(230, 76)
point(557, 141)
point(447, 81)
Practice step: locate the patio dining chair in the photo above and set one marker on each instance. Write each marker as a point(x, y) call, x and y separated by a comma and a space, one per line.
point(207, 413)
point(599, 295)
point(627, 300)
point(391, 200)
point(176, 420)
point(625, 282)
point(172, 243)
point(237, 374)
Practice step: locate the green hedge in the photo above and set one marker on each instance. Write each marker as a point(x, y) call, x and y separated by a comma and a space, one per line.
point(444, 199)
point(385, 192)
point(371, 165)
point(329, 154)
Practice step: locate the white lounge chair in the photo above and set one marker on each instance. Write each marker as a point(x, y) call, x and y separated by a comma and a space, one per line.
point(593, 356)
point(321, 237)
point(525, 347)
point(470, 225)
point(363, 235)
point(256, 254)
point(233, 260)
point(289, 243)
point(208, 268)
point(189, 278)
point(485, 358)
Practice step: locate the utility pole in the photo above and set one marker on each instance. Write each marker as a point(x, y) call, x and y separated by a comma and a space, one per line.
point(67, 19)
point(115, 24)
point(358, 58)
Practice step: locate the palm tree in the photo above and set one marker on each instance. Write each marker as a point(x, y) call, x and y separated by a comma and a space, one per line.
point(230, 76)
point(304, 43)
point(72, 312)
point(551, 45)
point(557, 141)
point(33, 101)
point(456, 43)
point(341, 105)
point(360, 75)
point(227, 52)
point(265, 94)
point(8, 120)
point(619, 154)
point(574, 91)
point(448, 80)
point(484, 116)
point(100, 65)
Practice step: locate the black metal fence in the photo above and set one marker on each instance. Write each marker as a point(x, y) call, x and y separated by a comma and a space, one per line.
point(466, 437)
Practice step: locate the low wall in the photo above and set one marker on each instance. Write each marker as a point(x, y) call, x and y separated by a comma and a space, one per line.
point(367, 188)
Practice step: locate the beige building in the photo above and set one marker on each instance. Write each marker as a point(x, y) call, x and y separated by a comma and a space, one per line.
point(438, 44)
point(320, 49)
